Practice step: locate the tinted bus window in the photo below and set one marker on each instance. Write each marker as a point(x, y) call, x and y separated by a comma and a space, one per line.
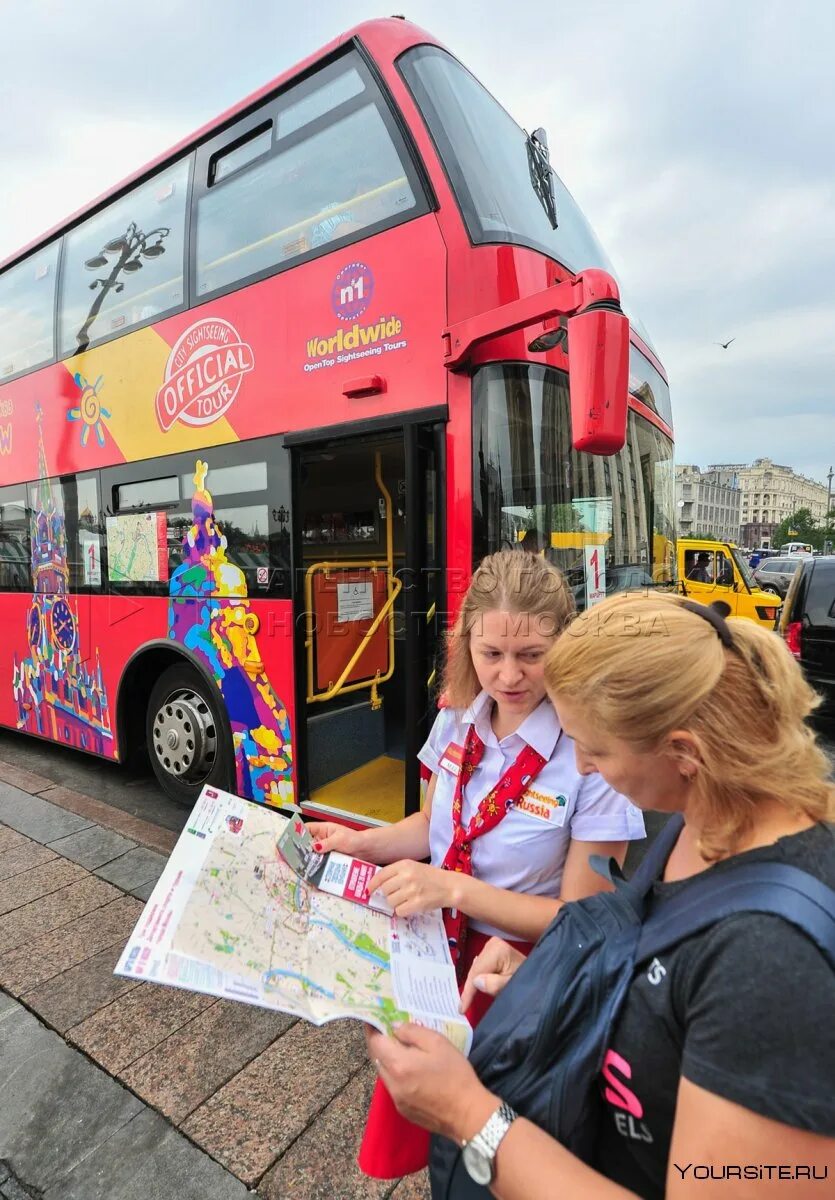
point(15, 550)
point(648, 385)
point(152, 517)
point(529, 480)
point(65, 509)
point(27, 302)
point(335, 173)
point(124, 266)
point(485, 155)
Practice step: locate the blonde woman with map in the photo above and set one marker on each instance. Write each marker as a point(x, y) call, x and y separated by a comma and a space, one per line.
point(509, 823)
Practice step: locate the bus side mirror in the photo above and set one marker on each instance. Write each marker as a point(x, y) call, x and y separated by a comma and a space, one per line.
point(598, 373)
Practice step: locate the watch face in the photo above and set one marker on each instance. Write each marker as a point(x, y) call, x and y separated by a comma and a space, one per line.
point(479, 1165)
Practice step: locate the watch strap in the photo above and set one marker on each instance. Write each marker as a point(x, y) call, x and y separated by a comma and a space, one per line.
point(489, 1137)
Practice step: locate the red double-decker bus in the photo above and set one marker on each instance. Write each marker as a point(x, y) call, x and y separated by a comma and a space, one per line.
point(263, 406)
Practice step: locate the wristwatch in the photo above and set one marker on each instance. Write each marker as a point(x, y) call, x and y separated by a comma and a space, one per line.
point(479, 1153)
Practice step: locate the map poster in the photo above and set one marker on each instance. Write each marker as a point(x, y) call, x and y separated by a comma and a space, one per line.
point(229, 917)
point(137, 547)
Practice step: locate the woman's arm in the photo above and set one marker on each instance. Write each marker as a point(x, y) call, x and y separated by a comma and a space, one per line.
point(415, 887)
point(408, 838)
point(528, 917)
point(579, 878)
point(434, 1086)
point(710, 1129)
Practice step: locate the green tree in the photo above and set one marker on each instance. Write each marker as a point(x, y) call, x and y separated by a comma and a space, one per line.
point(799, 527)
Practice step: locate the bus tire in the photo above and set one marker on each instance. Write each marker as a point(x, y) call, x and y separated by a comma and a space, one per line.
point(185, 734)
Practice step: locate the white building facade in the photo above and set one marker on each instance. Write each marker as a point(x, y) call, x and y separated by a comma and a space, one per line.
point(771, 493)
point(708, 502)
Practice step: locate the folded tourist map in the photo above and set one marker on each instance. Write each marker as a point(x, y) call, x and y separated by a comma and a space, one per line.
point(232, 918)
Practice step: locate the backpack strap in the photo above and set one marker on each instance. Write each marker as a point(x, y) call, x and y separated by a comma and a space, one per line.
point(651, 867)
point(776, 888)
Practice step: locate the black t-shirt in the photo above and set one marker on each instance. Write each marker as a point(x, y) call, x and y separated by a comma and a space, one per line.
point(745, 1010)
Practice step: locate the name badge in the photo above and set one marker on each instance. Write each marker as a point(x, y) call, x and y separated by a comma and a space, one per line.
point(453, 758)
point(551, 810)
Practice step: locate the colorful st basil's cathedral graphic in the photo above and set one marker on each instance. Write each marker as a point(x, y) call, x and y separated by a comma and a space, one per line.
point(209, 614)
point(57, 693)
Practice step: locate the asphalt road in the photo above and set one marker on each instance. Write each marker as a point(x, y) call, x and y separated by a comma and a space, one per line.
point(137, 791)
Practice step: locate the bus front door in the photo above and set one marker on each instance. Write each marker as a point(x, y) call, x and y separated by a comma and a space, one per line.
point(369, 569)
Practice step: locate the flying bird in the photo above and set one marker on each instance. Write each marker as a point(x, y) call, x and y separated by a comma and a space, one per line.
point(724, 345)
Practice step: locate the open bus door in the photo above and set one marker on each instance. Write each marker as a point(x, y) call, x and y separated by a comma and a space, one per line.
point(368, 594)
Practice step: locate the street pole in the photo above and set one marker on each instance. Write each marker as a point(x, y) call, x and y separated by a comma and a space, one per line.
point(828, 539)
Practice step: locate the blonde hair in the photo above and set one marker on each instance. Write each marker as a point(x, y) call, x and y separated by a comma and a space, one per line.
point(508, 581)
point(645, 666)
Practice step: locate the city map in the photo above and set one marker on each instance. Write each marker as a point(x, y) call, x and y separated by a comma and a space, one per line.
point(231, 918)
point(137, 548)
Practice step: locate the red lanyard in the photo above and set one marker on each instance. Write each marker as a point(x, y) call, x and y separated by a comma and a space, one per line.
point(491, 810)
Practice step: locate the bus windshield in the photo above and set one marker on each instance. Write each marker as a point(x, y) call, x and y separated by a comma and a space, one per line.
point(485, 154)
point(531, 488)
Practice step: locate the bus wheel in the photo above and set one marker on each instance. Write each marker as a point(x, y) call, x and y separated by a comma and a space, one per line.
point(185, 736)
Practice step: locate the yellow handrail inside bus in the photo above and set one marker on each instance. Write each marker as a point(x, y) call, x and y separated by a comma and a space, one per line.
point(393, 589)
point(340, 687)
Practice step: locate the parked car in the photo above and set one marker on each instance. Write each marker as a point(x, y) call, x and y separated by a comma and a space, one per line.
point(777, 573)
point(808, 625)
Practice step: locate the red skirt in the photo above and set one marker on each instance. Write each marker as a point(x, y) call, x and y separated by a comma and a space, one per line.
point(392, 1146)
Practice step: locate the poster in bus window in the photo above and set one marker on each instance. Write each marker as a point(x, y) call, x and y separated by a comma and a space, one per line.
point(137, 547)
point(90, 548)
point(595, 514)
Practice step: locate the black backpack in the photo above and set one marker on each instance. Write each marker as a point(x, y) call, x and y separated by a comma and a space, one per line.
point(541, 1045)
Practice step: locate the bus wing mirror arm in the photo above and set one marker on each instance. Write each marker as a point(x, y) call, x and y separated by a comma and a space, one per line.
point(566, 299)
point(598, 351)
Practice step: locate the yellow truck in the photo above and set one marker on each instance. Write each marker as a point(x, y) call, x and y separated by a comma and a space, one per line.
point(709, 571)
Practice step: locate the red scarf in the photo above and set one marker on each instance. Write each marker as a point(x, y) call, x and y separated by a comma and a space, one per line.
point(492, 809)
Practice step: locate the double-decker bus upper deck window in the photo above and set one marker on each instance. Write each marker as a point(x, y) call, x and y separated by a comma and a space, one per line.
point(649, 385)
point(27, 302)
point(485, 154)
point(253, 146)
point(336, 171)
point(528, 477)
point(124, 266)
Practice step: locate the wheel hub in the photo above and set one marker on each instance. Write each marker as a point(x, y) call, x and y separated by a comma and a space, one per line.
point(185, 735)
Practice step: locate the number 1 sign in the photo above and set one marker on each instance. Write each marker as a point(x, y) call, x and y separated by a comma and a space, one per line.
point(595, 567)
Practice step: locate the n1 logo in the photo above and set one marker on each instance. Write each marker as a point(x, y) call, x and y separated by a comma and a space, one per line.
point(352, 291)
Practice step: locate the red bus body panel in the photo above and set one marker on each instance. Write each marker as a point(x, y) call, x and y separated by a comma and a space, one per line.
point(283, 354)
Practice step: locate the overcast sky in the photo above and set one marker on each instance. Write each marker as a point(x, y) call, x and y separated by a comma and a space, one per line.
point(698, 136)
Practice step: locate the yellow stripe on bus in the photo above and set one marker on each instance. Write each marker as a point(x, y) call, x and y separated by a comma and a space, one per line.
point(133, 369)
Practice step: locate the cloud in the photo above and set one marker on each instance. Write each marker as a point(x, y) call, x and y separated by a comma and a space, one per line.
point(698, 137)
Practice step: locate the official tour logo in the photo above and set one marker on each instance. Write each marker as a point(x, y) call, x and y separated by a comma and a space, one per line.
point(203, 374)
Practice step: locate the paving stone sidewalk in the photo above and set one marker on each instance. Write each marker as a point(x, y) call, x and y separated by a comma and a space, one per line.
point(116, 1090)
